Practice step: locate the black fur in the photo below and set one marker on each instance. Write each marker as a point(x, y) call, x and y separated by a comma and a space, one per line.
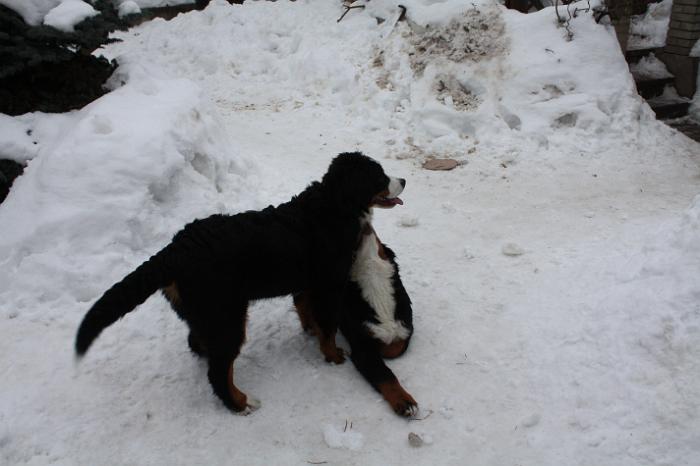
point(214, 266)
point(366, 351)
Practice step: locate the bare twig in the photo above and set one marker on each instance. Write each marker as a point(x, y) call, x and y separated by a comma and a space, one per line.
point(402, 16)
point(346, 426)
point(317, 462)
point(347, 9)
point(566, 22)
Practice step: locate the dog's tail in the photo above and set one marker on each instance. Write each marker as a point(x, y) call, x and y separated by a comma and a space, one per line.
point(122, 298)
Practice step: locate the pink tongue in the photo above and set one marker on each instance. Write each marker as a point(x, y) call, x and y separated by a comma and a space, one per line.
point(396, 200)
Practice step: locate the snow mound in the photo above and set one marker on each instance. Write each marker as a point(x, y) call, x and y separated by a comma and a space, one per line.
point(450, 79)
point(123, 175)
point(32, 11)
point(68, 13)
point(129, 7)
point(649, 30)
point(650, 67)
point(490, 74)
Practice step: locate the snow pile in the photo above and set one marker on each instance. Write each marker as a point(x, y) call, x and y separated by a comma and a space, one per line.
point(69, 13)
point(451, 78)
point(128, 7)
point(32, 11)
point(649, 30)
point(61, 14)
point(650, 67)
point(456, 91)
point(109, 185)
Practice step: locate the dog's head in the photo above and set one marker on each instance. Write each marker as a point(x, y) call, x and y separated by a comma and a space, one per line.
point(357, 182)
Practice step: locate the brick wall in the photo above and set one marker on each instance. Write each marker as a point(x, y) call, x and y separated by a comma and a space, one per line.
point(683, 33)
point(684, 28)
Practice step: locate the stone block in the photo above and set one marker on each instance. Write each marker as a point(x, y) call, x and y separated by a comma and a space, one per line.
point(685, 17)
point(687, 35)
point(684, 68)
point(684, 26)
point(687, 9)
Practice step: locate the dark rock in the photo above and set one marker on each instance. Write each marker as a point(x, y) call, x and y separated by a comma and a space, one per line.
point(44, 69)
point(55, 87)
point(9, 170)
point(440, 164)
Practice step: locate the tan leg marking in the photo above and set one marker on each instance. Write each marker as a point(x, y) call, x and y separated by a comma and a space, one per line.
point(302, 304)
point(172, 294)
point(240, 400)
point(400, 400)
point(329, 348)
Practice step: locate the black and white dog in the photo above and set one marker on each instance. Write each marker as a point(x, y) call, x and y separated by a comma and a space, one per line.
point(214, 266)
point(376, 317)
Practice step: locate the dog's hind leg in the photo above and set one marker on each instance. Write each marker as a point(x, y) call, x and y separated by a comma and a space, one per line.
point(302, 305)
point(194, 340)
point(223, 337)
point(221, 378)
point(196, 345)
point(222, 382)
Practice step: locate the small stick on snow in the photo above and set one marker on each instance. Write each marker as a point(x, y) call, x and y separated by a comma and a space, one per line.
point(347, 9)
point(317, 462)
point(346, 426)
point(402, 16)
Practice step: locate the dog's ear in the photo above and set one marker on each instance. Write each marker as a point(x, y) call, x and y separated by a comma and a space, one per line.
point(349, 181)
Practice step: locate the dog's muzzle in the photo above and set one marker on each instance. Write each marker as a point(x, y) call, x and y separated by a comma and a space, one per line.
point(390, 197)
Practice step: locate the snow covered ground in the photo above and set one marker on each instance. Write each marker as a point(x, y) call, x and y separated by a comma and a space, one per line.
point(581, 349)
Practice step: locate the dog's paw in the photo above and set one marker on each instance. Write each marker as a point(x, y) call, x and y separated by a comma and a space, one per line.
point(410, 409)
point(252, 405)
point(338, 357)
point(399, 399)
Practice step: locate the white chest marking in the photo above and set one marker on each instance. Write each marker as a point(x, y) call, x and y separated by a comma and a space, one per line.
point(373, 276)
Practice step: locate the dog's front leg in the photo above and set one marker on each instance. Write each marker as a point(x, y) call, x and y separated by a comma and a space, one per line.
point(325, 310)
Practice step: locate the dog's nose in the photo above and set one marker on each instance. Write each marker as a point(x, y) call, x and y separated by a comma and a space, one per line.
point(403, 182)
